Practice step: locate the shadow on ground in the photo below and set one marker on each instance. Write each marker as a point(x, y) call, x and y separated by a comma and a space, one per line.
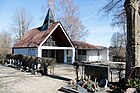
point(59, 77)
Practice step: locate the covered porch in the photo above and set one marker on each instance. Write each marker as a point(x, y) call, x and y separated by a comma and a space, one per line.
point(61, 54)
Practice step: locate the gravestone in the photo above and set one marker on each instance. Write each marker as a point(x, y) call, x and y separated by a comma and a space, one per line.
point(103, 83)
point(97, 71)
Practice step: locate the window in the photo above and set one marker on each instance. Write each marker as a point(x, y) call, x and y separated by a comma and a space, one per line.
point(31, 52)
point(81, 52)
point(49, 42)
point(69, 56)
point(68, 52)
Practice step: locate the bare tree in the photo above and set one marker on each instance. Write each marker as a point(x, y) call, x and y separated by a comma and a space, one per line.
point(69, 17)
point(115, 8)
point(71, 20)
point(132, 16)
point(118, 40)
point(49, 4)
point(5, 43)
point(21, 22)
point(117, 49)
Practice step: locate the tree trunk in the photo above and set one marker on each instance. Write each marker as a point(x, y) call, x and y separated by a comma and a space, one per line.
point(131, 7)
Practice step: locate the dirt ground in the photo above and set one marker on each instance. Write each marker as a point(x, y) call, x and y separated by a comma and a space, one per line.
point(15, 81)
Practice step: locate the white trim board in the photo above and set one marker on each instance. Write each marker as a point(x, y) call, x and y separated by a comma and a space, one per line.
point(48, 35)
point(66, 35)
point(56, 48)
point(53, 31)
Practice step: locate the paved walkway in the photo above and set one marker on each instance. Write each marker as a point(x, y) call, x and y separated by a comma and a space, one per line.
point(14, 81)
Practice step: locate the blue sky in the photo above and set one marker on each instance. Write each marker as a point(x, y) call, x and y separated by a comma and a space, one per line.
point(100, 31)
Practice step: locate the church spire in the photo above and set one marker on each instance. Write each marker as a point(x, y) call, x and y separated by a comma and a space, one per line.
point(48, 20)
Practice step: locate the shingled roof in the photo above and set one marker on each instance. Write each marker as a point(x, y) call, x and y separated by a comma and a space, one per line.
point(84, 45)
point(34, 37)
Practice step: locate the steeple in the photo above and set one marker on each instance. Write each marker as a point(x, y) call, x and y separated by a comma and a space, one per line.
point(48, 20)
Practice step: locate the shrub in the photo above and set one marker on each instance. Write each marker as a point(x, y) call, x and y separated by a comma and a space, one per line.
point(133, 83)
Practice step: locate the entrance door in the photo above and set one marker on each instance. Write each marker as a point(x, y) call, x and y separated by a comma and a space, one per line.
point(60, 56)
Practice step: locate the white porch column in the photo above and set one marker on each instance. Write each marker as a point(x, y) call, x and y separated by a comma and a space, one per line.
point(65, 56)
point(39, 52)
point(107, 54)
point(73, 55)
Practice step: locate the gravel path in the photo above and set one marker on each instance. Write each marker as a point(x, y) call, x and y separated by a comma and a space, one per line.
point(14, 81)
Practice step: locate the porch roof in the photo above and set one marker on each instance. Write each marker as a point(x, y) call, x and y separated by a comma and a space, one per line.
point(84, 45)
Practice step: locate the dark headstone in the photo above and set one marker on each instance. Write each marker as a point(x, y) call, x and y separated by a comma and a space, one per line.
point(103, 83)
point(97, 71)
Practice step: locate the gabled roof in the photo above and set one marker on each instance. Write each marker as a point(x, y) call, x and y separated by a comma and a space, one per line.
point(84, 45)
point(35, 37)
